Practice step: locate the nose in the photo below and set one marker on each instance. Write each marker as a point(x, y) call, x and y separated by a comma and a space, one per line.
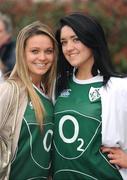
point(42, 56)
point(69, 46)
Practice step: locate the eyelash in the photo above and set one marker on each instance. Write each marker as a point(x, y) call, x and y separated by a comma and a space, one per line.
point(76, 39)
point(34, 51)
point(63, 43)
point(48, 51)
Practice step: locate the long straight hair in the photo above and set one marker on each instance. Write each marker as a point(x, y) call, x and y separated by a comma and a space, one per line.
point(21, 72)
point(91, 34)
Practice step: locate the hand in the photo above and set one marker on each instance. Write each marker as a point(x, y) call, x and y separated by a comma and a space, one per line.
point(116, 155)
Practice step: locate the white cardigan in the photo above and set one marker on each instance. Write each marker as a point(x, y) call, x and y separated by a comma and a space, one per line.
point(114, 115)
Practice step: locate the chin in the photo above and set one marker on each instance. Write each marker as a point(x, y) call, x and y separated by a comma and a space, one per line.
point(74, 64)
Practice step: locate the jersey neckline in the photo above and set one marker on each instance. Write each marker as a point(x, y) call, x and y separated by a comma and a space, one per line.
point(43, 94)
point(94, 79)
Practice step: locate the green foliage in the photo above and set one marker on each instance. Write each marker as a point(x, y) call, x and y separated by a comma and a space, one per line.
point(122, 66)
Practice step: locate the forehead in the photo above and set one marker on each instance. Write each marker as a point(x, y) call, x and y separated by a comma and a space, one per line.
point(39, 39)
point(67, 31)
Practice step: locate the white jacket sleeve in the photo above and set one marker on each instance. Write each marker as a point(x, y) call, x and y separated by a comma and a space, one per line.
point(114, 115)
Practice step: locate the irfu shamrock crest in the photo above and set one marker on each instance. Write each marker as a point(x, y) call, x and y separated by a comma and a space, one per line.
point(94, 94)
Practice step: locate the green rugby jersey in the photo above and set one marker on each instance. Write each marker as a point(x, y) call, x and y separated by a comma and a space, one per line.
point(77, 134)
point(33, 156)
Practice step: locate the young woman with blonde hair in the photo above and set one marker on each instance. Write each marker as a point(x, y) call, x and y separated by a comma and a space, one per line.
point(33, 80)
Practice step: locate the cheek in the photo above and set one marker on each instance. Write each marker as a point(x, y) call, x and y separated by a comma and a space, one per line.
point(89, 53)
point(29, 58)
point(64, 50)
point(52, 59)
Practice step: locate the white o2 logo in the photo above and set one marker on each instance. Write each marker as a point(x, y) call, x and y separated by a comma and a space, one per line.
point(76, 131)
point(76, 128)
point(48, 133)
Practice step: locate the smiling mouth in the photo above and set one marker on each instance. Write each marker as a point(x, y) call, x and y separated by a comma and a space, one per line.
point(72, 55)
point(40, 65)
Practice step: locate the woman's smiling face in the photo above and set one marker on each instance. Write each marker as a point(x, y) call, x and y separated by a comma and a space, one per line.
point(76, 53)
point(39, 55)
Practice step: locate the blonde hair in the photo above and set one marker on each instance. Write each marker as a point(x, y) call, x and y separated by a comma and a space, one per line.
point(21, 73)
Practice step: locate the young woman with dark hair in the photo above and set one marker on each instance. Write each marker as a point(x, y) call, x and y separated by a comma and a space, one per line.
point(89, 95)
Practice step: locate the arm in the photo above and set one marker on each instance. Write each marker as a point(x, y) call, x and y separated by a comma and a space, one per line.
point(5, 97)
point(116, 155)
point(5, 145)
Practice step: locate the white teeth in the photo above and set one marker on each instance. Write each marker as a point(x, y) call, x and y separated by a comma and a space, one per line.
point(40, 65)
point(71, 55)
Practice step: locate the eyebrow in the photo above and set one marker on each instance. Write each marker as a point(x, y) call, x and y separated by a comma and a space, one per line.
point(37, 47)
point(73, 36)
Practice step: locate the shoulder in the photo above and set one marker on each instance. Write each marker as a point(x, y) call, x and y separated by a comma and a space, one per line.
point(6, 97)
point(6, 92)
point(118, 84)
point(5, 87)
point(115, 87)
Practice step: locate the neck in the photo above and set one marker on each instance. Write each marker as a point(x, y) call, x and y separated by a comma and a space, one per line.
point(40, 87)
point(83, 74)
point(37, 82)
point(84, 71)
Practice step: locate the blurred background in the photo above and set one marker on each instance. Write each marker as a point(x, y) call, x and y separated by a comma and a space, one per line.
point(112, 14)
